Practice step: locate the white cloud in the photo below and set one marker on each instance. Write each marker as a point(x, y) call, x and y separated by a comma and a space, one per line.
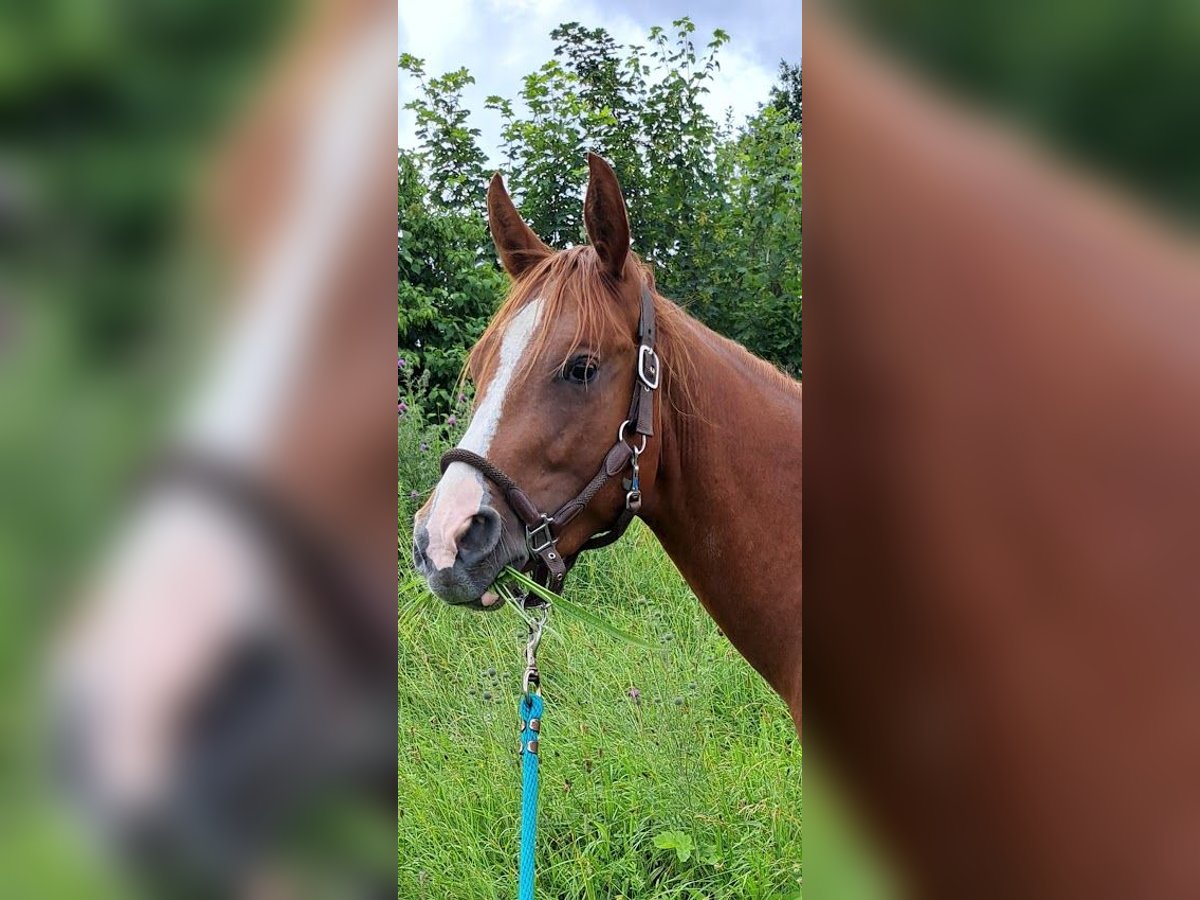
point(743, 83)
point(501, 41)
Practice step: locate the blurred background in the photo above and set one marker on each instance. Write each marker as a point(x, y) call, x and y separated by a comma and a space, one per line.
point(1109, 84)
point(127, 248)
point(108, 113)
point(983, 179)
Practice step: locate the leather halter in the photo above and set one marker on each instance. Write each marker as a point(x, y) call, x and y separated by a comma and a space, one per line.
point(339, 596)
point(542, 531)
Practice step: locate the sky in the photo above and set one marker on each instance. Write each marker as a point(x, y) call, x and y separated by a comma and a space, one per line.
point(501, 41)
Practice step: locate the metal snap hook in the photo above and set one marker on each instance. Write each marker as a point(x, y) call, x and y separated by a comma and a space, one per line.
point(532, 680)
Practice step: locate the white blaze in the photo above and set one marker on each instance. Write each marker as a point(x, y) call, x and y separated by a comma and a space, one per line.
point(237, 410)
point(459, 494)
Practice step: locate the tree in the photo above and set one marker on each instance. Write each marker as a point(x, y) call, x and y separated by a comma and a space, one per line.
point(752, 256)
point(787, 96)
point(715, 210)
point(450, 153)
point(104, 113)
point(448, 283)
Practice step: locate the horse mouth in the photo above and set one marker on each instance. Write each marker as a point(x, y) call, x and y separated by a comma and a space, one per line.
point(493, 598)
point(479, 605)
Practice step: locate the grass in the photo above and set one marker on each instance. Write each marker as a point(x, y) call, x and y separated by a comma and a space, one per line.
point(666, 773)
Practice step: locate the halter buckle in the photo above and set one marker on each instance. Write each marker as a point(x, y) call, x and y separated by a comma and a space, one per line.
point(647, 353)
point(539, 538)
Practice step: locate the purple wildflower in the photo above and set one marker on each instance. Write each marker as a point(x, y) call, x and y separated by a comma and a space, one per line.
point(401, 408)
point(401, 362)
point(413, 495)
point(424, 447)
point(635, 695)
point(453, 420)
point(462, 398)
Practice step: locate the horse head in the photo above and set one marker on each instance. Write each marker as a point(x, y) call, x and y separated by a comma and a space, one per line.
point(554, 374)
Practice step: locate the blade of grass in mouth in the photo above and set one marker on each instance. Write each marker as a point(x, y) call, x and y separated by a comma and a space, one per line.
point(571, 609)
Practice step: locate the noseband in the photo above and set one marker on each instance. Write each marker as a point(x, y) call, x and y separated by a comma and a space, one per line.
point(543, 531)
point(349, 608)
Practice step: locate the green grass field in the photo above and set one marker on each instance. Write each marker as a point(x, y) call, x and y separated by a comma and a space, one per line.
point(668, 773)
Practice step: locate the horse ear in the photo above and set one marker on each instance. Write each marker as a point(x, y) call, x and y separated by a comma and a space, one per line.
point(519, 248)
point(604, 216)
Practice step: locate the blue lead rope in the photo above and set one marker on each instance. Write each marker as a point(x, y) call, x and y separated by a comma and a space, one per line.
point(530, 707)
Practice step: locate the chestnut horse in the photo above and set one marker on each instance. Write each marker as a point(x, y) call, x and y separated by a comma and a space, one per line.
point(555, 371)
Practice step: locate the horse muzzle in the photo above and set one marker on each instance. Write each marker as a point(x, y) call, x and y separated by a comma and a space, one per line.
point(481, 546)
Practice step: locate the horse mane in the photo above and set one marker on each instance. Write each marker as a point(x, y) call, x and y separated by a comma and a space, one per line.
point(575, 280)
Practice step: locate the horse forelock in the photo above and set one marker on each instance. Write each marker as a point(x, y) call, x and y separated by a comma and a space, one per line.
point(573, 282)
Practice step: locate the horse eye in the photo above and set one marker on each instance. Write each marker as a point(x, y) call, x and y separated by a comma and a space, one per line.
point(580, 370)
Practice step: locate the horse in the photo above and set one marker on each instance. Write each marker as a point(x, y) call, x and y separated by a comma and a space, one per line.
point(234, 655)
point(581, 331)
point(1001, 567)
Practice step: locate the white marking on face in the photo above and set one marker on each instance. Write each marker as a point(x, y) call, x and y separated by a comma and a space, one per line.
point(459, 494)
point(237, 410)
point(183, 585)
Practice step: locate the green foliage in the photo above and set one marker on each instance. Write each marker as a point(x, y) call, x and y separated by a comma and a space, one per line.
point(515, 583)
point(753, 242)
point(423, 435)
point(715, 209)
point(722, 766)
point(678, 841)
point(105, 110)
point(449, 284)
point(788, 95)
point(452, 160)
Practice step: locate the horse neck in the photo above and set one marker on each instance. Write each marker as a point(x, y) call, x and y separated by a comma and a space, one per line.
point(1004, 594)
point(731, 528)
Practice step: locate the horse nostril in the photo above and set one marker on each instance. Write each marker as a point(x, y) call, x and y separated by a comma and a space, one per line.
point(480, 537)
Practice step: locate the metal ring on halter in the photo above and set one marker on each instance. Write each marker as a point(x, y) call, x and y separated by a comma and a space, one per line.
point(637, 451)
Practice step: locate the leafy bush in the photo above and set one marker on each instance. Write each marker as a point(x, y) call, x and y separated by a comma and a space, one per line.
point(714, 208)
point(422, 435)
point(449, 284)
